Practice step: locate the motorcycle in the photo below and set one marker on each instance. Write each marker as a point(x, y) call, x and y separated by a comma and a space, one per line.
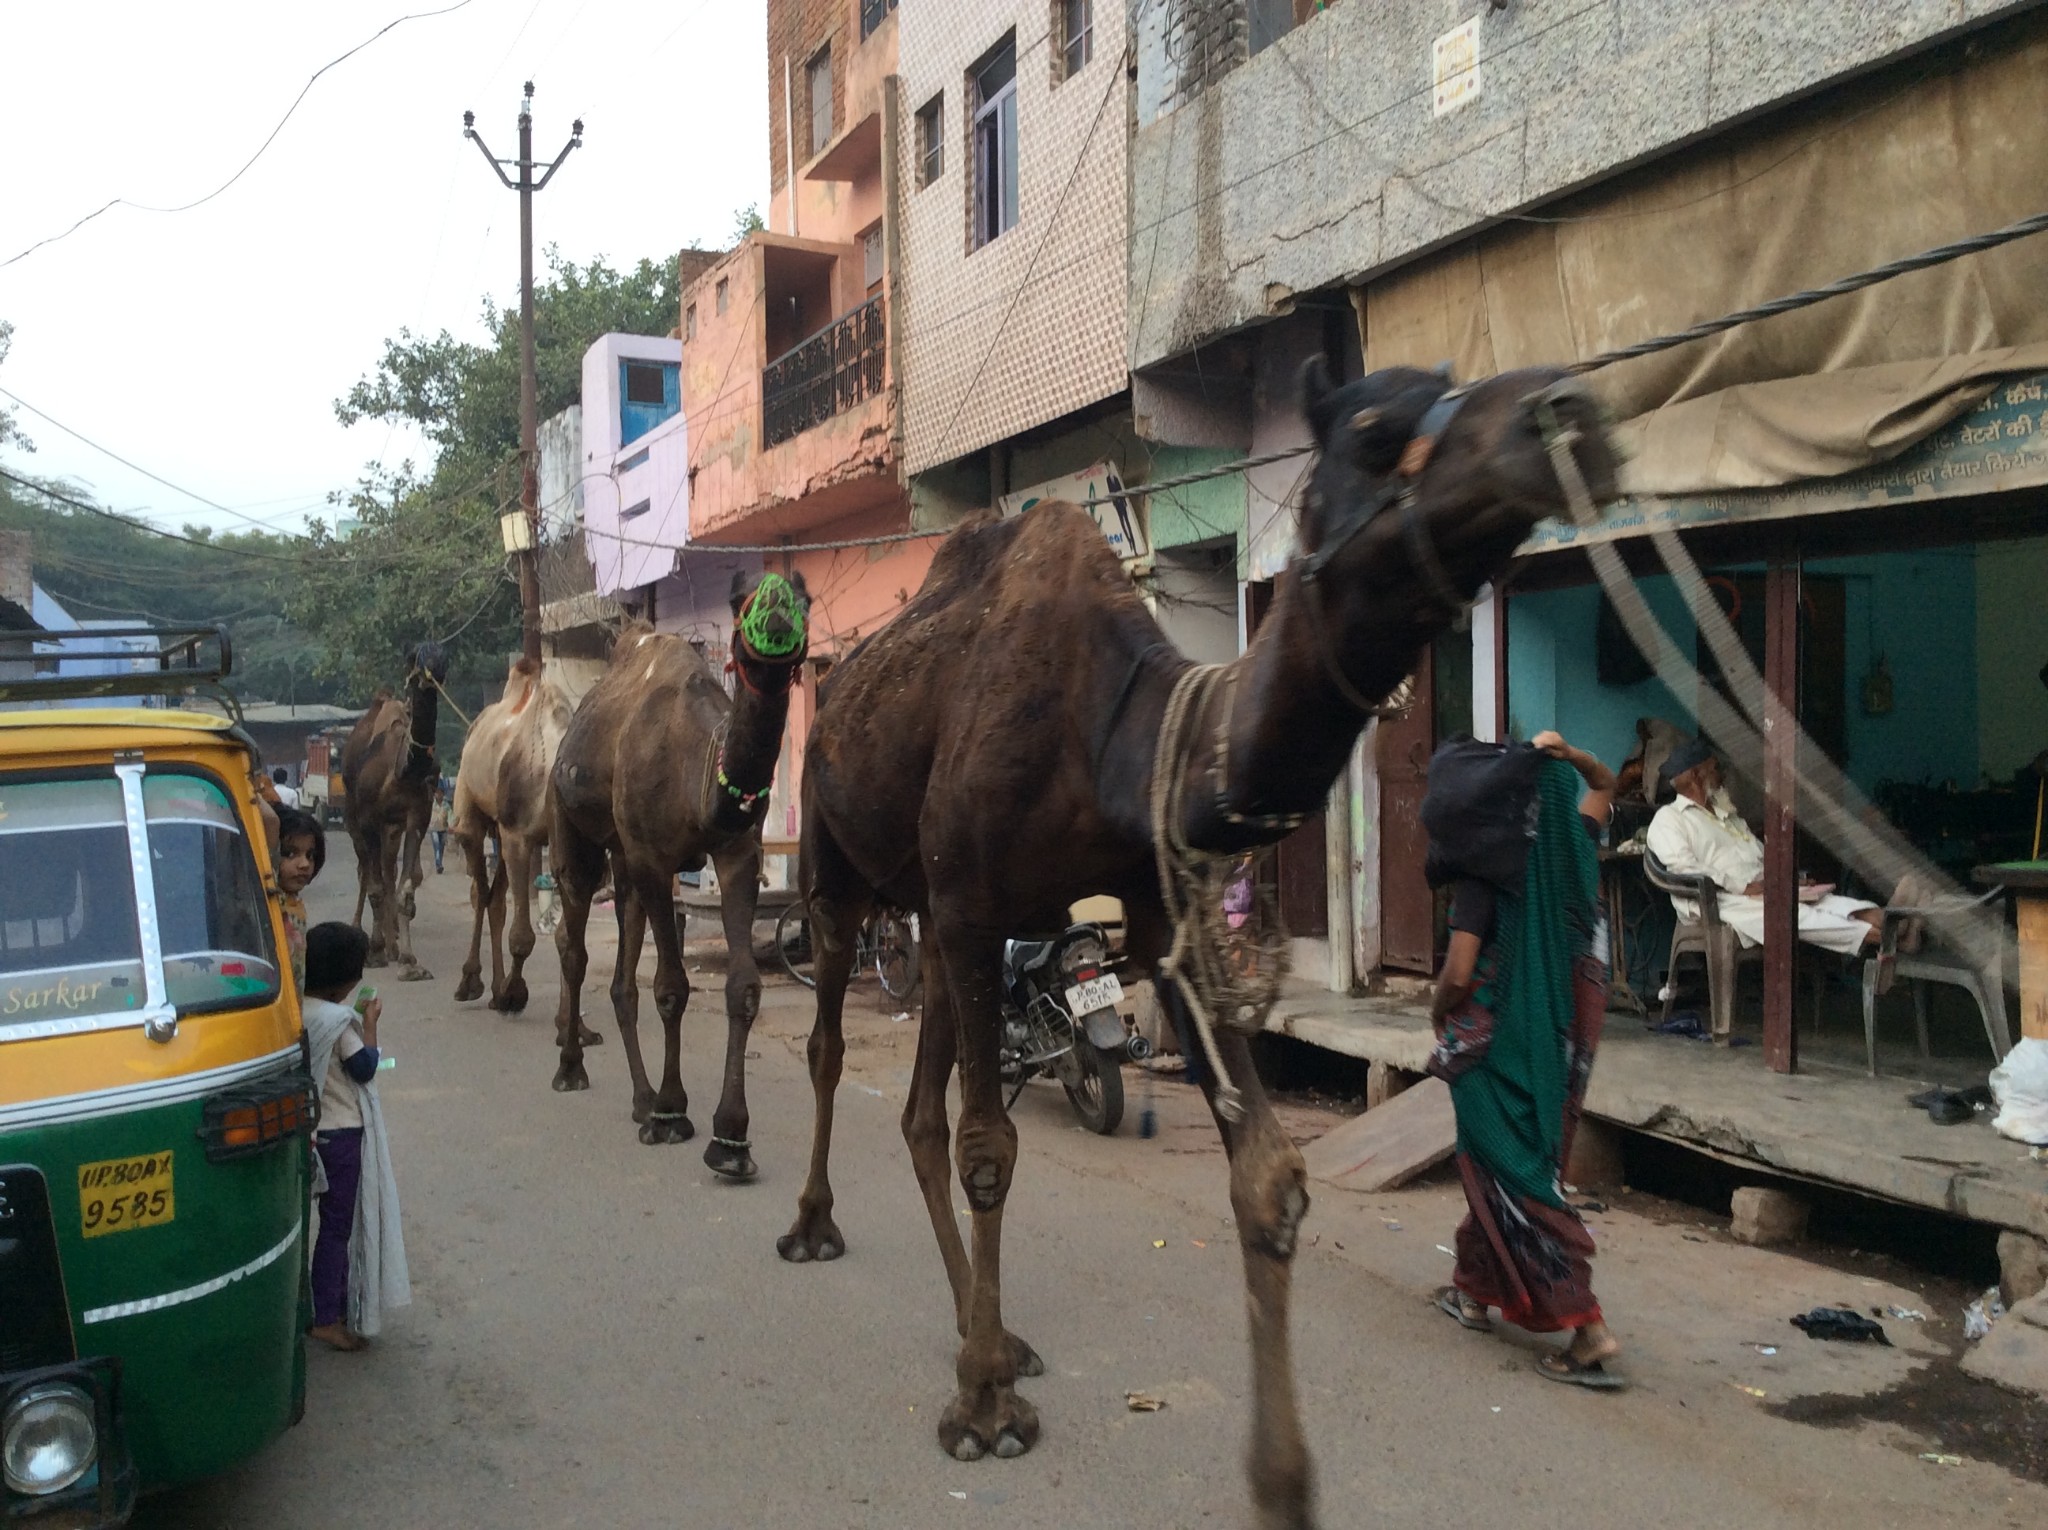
point(1060, 1020)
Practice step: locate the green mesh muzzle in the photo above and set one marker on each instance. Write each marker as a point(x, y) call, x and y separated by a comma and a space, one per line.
point(772, 620)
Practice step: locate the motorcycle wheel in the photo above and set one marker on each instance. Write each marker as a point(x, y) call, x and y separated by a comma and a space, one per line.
point(896, 957)
point(1098, 1097)
point(793, 944)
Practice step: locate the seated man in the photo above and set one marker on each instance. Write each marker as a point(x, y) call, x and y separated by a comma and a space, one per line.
point(1699, 833)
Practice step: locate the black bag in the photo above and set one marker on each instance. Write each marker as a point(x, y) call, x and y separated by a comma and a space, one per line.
point(1480, 812)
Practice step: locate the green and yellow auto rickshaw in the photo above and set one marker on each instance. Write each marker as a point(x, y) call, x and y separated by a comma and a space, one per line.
point(154, 1101)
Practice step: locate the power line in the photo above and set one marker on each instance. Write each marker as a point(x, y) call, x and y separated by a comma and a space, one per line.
point(144, 526)
point(111, 204)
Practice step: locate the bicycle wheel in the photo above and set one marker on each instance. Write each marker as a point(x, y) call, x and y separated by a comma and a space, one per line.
point(793, 944)
point(897, 962)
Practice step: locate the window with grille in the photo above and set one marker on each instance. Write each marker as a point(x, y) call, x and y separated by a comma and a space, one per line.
point(931, 140)
point(818, 77)
point(872, 13)
point(1077, 36)
point(992, 89)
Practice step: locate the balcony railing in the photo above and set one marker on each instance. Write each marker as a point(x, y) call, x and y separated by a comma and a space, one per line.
point(831, 372)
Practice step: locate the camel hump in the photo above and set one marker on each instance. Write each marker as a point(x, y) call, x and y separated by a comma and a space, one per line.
point(520, 683)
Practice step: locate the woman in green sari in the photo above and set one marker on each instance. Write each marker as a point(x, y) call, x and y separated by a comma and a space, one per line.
point(1518, 1011)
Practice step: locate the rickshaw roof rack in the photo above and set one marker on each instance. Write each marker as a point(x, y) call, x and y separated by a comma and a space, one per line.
point(174, 663)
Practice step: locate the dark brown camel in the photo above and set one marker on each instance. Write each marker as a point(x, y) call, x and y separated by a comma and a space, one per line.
point(388, 771)
point(987, 759)
point(661, 771)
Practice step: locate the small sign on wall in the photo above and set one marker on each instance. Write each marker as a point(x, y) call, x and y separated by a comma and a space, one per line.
point(1454, 67)
point(1121, 525)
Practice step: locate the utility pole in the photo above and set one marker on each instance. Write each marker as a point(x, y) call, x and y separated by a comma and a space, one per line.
point(527, 548)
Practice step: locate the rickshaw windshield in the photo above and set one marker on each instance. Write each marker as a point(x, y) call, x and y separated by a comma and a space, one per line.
point(211, 907)
point(70, 944)
point(92, 934)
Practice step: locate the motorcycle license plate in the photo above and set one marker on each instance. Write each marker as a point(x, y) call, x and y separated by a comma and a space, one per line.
point(1096, 993)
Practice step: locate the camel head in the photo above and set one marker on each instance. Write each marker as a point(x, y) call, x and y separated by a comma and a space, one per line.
point(1436, 486)
point(770, 627)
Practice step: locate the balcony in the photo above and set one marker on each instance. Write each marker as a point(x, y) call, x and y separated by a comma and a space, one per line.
point(837, 368)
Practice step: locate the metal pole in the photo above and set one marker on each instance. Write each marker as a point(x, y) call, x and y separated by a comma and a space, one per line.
point(529, 387)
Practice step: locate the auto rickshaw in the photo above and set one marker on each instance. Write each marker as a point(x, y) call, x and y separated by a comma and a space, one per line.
point(155, 1106)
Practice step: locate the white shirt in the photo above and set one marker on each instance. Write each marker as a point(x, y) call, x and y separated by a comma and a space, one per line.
point(288, 795)
point(1695, 840)
point(341, 1105)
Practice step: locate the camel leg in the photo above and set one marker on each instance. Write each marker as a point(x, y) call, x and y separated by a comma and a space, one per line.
point(986, 1414)
point(517, 866)
point(401, 874)
point(669, 1121)
point(739, 894)
point(472, 984)
point(370, 889)
point(578, 869)
point(1268, 1199)
point(626, 993)
point(494, 906)
point(837, 902)
point(925, 1131)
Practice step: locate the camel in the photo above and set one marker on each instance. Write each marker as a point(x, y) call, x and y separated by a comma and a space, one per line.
point(501, 791)
point(988, 758)
point(661, 771)
point(387, 772)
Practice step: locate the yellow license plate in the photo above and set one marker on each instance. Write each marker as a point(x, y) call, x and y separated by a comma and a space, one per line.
point(116, 1194)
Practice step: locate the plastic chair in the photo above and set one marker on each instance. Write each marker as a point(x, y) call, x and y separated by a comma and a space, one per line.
point(1706, 936)
point(1936, 962)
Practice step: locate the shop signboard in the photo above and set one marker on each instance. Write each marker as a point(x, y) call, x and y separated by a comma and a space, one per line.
point(1114, 513)
point(2002, 444)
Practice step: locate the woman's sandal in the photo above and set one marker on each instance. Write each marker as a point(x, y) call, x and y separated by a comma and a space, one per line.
point(1560, 1365)
point(1451, 1302)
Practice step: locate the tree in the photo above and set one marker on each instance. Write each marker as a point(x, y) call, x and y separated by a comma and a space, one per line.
point(10, 433)
point(747, 220)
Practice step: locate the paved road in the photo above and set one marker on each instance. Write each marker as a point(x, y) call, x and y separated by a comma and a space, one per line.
point(603, 1334)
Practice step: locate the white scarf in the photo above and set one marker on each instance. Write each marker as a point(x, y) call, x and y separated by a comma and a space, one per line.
point(377, 1275)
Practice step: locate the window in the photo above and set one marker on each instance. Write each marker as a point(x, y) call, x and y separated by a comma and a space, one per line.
point(1077, 36)
point(649, 392)
point(872, 13)
point(643, 382)
point(818, 78)
point(690, 322)
point(931, 140)
point(722, 294)
point(634, 512)
point(212, 914)
point(70, 946)
point(992, 90)
point(871, 257)
point(1270, 21)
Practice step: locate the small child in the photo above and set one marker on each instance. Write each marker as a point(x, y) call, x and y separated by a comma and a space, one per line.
point(359, 1255)
point(301, 854)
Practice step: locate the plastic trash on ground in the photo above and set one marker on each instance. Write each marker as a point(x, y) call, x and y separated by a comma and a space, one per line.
point(2020, 1086)
point(1982, 1313)
point(1840, 1323)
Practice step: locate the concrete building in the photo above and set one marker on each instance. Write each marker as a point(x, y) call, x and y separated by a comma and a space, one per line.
point(1420, 181)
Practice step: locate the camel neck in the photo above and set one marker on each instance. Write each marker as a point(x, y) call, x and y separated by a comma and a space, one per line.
point(753, 740)
point(423, 715)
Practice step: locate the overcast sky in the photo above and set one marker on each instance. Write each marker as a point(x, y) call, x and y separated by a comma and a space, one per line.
point(209, 346)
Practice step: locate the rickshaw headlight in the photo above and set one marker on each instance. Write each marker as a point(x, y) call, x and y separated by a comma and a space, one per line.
point(48, 1439)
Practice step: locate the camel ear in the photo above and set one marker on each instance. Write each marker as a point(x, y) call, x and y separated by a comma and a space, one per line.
point(803, 591)
point(1318, 396)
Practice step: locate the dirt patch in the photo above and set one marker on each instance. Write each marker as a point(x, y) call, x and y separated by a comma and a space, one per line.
point(1947, 1412)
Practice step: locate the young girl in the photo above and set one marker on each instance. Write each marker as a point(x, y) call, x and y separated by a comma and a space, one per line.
point(359, 1256)
point(301, 853)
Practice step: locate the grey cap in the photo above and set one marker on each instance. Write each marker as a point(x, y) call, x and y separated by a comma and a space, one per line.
point(1694, 751)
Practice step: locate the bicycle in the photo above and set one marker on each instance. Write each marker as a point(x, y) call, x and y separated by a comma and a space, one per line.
point(887, 941)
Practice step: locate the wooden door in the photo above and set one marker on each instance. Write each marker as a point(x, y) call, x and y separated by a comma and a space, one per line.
point(1407, 906)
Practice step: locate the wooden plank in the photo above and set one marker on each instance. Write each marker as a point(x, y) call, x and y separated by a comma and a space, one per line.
point(1390, 1144)
point(1781, 891)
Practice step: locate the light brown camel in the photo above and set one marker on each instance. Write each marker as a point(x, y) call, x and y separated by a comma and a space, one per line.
point(987, 759)
point(388, 771)
point(662, 771)
point(501, 792)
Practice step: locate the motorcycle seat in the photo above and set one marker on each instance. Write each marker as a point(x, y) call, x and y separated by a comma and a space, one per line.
point(1028, 958)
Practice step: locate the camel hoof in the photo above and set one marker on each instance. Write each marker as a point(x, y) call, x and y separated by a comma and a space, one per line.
point(661, 1129)
point(415, 974)
point(730, 1160)
point(1025, 1357)
point(513, 999)
point(589, 1038)
point(571, 1077)
point(811, 1238)
point(471, 987)
point(995, 1413)
point(376, 958)
point(407, 907)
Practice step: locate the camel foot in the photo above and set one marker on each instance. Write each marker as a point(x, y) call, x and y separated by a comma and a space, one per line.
point(990, 1418)
point(415, 973)
point(729, 1159)
point(376, 958)
point(570, 1077)
point(814, 1235)
point(661, 1128)
point(511, 999)
point(1024, 1357)
point(471, 987)
point(589, 1038)
point(407, 907)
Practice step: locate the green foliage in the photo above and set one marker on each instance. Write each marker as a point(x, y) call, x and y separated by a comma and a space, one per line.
point(10, 433)
point(745, 221)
